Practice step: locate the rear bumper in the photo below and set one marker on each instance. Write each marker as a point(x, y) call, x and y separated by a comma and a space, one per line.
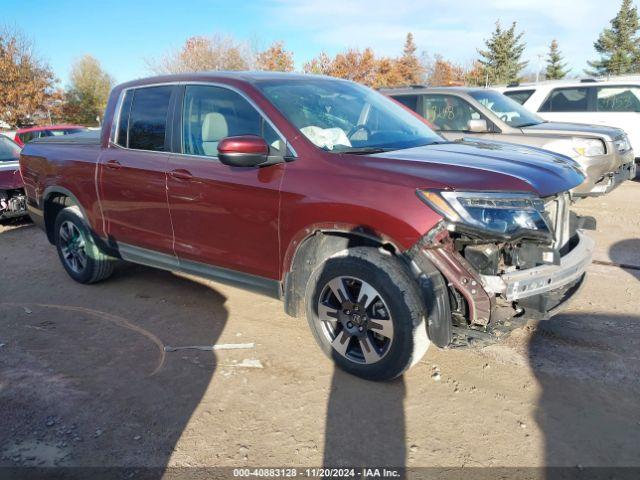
point(523, 284)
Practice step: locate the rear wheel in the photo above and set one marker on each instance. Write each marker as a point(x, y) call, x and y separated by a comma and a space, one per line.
point(366, 313)
point(80, 256)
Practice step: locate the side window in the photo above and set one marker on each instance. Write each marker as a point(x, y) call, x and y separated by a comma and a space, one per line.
point(519, 96)
point(619, 99)
point(27, 137)
point(213, 113)
point(566, 100)
point(449, 113)
point(410, 101)
point(148, 118)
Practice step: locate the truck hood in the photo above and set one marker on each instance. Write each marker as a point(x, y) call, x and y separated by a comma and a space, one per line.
point(610, 133)
point(10, 177)
point(489, 166)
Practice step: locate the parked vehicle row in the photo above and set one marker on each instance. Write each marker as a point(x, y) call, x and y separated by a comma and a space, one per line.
point(322, 193)
point(614, 102)
point(604, 153)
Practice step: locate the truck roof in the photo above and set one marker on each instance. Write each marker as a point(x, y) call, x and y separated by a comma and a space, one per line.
point(413, 90)
point(245, 76)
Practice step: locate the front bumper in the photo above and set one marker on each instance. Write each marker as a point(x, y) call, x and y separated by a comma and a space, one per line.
point(604, 173)
point(521, 284)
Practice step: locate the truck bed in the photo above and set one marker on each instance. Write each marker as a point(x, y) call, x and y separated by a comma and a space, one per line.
point(91, 137)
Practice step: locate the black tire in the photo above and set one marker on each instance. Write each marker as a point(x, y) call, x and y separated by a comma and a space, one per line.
point(400, 298)
point(97, 265)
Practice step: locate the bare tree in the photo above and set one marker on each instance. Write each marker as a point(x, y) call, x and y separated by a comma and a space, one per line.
point(204, 53)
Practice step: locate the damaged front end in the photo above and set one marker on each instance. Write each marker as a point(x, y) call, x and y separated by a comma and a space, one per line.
point(504, 257)
point(13, 202)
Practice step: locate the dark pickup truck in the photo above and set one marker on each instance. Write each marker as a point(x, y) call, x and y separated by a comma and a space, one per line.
point(324, 194)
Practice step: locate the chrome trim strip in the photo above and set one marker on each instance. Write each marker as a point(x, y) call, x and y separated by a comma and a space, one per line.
point(535, 281)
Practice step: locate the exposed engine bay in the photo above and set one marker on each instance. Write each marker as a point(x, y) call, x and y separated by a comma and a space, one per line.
point(13, 204)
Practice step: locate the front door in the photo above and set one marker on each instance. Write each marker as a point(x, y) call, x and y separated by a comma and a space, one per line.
point(132, 172)
point(224, 216)
point(450, 116)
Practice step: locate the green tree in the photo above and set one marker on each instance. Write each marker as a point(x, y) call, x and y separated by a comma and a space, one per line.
point(556, 68)
point(87, 95)
point(502, 57)
point(618, 45)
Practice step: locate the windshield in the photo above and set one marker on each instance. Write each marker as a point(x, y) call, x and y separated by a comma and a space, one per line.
point(340, 116)
point(9, 151)
point(510, 111)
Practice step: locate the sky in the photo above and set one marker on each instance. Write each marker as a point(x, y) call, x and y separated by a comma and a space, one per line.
point(123, 35)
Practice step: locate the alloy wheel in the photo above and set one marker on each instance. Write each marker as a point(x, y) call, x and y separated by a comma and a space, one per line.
point(355, 320)
point(72, 245)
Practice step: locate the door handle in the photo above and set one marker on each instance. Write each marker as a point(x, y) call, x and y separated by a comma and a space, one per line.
point(113, 164)
point(181, 174)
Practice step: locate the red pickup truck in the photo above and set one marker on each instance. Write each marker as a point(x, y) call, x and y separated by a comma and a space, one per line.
point(322, 193)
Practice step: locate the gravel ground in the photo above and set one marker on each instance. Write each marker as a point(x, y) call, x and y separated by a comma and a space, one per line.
point(85, 379)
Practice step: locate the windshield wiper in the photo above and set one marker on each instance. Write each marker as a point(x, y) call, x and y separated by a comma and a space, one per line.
point(363, 150)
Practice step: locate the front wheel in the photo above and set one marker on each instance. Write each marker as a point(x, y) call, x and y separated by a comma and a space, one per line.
point(80, 256)
point(366, 313)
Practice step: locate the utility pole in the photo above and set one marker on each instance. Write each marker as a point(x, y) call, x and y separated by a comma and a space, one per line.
point(539, 67)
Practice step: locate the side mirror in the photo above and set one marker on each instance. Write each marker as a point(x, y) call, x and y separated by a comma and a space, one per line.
point(243, 151)
point(477, 126)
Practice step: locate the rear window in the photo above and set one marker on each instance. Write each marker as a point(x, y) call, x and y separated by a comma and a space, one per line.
point(567, 100)
point(148, 118)
point(619, 99)
point(410, 101)
point(519, 96)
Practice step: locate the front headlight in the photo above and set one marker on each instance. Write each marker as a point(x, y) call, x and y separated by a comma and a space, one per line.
point(588, 147)
point(622, 144)
point(505, 214)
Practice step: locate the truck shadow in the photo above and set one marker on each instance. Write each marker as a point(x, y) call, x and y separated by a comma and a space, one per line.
point(626, 253)
point(587, 367)
point(365, 423)
point(85, 377)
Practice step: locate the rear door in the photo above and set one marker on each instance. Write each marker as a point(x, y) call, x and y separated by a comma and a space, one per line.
point(223, 216)
point(132, 171)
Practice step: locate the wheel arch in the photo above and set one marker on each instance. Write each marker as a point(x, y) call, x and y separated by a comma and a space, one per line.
point(319, 244)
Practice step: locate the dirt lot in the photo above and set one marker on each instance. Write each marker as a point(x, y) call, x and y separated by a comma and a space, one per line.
point(85, 381)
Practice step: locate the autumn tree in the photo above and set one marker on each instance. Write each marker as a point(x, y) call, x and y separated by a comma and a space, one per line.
point(26, 82)
point(275, 58)
point(475, 75)
point(320, 65)
point(618, 45)
point(556, 68)
point(88, 91)
point(502, 56)
point(409, 67)
point(204, 53)
point(443, 73)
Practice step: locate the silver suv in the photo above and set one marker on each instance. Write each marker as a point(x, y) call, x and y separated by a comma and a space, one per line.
point(604, 153)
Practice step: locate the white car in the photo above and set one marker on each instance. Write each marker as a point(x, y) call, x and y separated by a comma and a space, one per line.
point(614, 103)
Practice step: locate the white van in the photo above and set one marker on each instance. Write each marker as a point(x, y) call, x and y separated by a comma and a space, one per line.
point(614, 102)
